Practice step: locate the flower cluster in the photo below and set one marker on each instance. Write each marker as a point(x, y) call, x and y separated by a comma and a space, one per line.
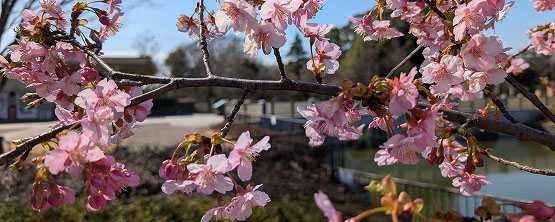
point(264, 23)
point(211, 172)
point(41, 60)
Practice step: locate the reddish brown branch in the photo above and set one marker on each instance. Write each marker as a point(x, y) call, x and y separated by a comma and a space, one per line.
point(500, 106)
point(520, 166)
point(530, 96)
point(233, 113)
point(203, 43)
point(280, 64)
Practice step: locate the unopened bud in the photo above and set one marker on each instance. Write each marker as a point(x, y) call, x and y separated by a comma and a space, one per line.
point(34, 104)
point(29, 96)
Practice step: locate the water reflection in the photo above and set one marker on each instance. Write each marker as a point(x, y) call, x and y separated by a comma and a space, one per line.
point(507, 181)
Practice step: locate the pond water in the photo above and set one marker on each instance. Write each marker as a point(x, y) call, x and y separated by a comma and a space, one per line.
point(506, 181)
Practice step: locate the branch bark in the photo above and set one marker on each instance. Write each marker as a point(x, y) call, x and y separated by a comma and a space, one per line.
point(233, 113)
point(280, 64)
point(530, 96)
point(203, 43)
point(520, 166)
point(398, 66)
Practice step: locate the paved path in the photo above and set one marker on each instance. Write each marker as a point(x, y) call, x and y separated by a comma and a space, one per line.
point(155, 131)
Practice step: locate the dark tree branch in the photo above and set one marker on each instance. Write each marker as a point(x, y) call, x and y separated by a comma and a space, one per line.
point(398, 66)
point(530, 96)
point(520, 166)
point(280, 64)
point(233, 113)
point(436, 10)
point(203, 43)
point(500, 106)
point(521, 51)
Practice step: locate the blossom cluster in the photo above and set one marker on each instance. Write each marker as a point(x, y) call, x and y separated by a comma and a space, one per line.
point(265, 28)
point(42, 60)
point(206, 173)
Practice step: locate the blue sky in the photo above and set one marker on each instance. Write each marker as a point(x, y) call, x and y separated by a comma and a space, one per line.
point(159, 21)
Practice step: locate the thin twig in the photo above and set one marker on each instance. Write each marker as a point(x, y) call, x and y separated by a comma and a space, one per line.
point(280, 64)
point(203, 43)
point(398, 66)
point(521, 51)
point(520, 166)
point(530, 96)
point(233, 113)
point(500, 106)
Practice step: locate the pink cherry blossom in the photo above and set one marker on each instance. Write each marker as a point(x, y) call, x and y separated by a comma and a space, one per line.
point(449, 71)
point(106, 94)
point(265, 36)
point(326, 206)
point(363, 27)
point(481, 51)
point(404, 94)
point(105, 177)
point(89, 74)
point(240, 207)
point(243, 154)
point(306, 11)
point(113, 5)
point(71, 85)
point(279, 12)
point(235, 14)
point(217, 212)
point(543, 5)
point(139, 112)
point(400, 148)
point(537, 208)
point(517, 66)
point(326, 119)
point(73, 152)
point(209, 177)
point(46, 194)
point(543, 43)
point(314, 31)
point(112, 27)
point(464, 93)
point(54, 9)
point(470, 183)
point(382, 31)
point(326, 58)
point(468, 19)
point(189, 25)
point(479, 80)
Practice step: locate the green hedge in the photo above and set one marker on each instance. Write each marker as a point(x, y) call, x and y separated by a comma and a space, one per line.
point(171, 208)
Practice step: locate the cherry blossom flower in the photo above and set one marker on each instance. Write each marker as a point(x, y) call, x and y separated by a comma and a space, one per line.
point(537, 208)
point(189, 25)
point(73, 152)
point(209, 177)
point(449, 71)
point(106, 177)
point(106, 94)
point(139, 112)
point(470, 183)
point(468, 19)
point(175, 173)
point(382, 31)
point(71, 85)
point(240, 207)
point(235, 14)
point(324, 203)
point(404, 94)
point(243, 154)
point(464, 93)
point(314, 31)
point(110, 28)
point(479, 80)
point(46, 194)
point(113, 5)
point(517, 66)
point(217, 212)
point(306, 11)
point(481, 51)
point(263, 36)
point(542, 42)
point(363, 27)
point(326, 119)
point(279, 12)
point(400, 148)
point(325, 60)
point(89, 74)
point(54, 9)
point(543, 5)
